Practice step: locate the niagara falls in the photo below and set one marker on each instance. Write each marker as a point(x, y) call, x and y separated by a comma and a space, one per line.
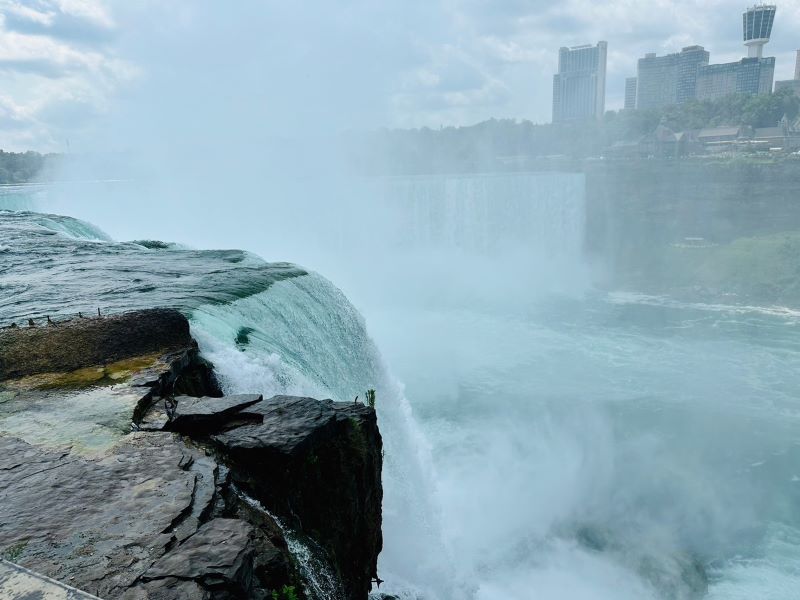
point(399, 301)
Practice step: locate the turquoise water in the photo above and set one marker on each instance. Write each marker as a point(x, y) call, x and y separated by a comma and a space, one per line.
point(540, 442)
point(610, 447)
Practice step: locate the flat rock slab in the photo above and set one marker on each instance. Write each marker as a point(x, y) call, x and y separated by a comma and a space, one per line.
point(82, 343)
point(99, 524)
point(288, 424)
point(221, 549)
point(18, 583)
point(205, 415)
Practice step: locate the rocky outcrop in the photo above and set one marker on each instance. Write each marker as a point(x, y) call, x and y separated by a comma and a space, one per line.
point(317, 465)
point(79, 343)
point(203, 498)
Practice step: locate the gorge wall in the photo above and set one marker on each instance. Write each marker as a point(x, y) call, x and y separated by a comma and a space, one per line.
point(708, 226)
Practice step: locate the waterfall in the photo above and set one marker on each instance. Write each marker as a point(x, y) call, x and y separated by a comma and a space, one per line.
point(302, 336)
point(319, 580)
point(541, 212)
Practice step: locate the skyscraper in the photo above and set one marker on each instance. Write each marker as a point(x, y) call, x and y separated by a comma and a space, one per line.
point(579, 87)
point(757, 27)
point(630, 93)
point(670, 79)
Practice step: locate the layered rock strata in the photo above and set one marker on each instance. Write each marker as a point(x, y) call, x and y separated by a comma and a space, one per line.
point(203, 496)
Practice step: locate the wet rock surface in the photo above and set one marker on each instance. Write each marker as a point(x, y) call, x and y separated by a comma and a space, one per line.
point(80, 343)
point(317, 464)
point(220, 554)
point(182, 507)
point(199, 416)
point(98, 524)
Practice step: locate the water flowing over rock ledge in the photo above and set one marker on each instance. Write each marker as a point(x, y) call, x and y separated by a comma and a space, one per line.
point(207, 497)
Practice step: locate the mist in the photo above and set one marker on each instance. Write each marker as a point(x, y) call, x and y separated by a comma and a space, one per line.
point(585, 359)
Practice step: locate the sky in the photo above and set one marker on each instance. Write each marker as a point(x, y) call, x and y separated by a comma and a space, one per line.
point(72, 71)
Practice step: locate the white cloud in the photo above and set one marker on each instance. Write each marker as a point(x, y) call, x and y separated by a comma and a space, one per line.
point(92, 11)
point(63, 63)
point(58, 70)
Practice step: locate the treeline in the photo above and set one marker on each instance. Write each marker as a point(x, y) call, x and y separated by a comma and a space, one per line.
point(24, 167)
point(735, 110)
point(496, 144)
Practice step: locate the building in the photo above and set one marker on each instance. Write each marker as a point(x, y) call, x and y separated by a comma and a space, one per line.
point(579, 87)
point(747, 76)
point(757, 24)
point(670, 79)
point(752, 75)
point(721, 136)
point(791, 84)
point(797, 66)
point(630, 93)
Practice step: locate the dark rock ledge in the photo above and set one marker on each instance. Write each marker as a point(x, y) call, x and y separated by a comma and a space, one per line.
point(173, 509)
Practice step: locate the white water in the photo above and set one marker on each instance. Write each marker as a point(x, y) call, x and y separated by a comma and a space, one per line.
point(560, 446)
point(319, 580)
point(547, 441)
point(306, 338)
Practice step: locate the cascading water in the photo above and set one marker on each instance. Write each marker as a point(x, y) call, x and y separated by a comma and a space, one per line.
point(268, 328)
point(303, 337)
point(542, 213)
point(319, 580)
point(580, 445)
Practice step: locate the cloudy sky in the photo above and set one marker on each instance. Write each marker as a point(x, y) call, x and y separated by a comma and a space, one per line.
point(71, 70)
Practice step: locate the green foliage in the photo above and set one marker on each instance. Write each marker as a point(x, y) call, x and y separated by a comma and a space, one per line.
point(735, 110)
point(760, 268)
point(370, 394)
point(287, 592)
point(22, 167)
point(494, 144)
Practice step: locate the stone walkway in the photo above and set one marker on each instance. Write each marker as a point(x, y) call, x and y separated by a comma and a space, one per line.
point(18, 583)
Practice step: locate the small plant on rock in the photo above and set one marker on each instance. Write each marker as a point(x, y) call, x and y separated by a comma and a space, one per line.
point(371, 398)
point(287, 592)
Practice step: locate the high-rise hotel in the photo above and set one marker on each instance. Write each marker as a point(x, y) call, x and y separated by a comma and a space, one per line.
point(579, 87)
point(752, 75)
point(670, 79)
point(676, 78)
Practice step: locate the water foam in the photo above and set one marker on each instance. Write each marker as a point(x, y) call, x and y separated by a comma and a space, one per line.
point(303, 337)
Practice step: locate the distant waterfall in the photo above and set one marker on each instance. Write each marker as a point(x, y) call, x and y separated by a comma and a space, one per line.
point(542, 212)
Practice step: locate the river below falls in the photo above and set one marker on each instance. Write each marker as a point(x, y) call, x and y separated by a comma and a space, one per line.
point(613, 446)
point(559, 444)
